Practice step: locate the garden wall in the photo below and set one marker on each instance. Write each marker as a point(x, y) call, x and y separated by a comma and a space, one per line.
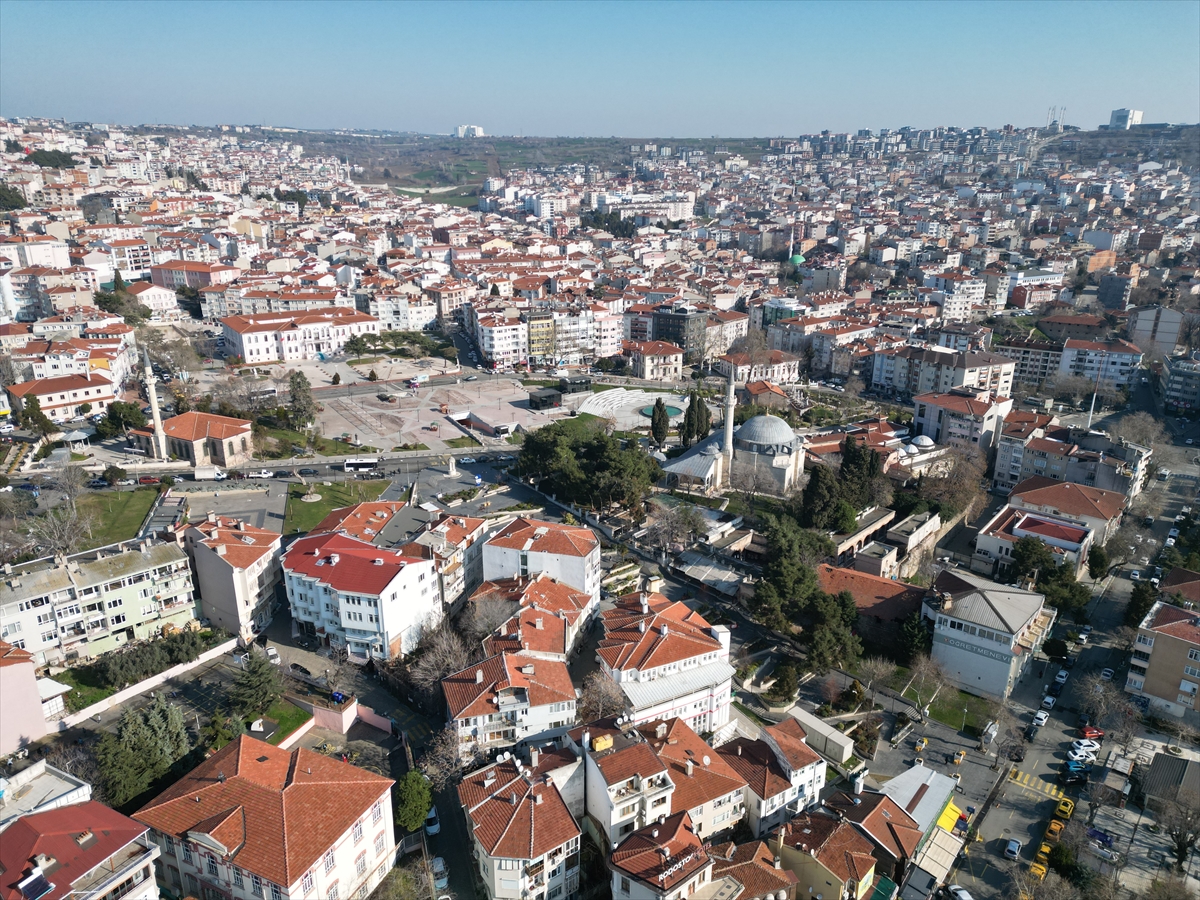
point(291, 740)
point(142, 686)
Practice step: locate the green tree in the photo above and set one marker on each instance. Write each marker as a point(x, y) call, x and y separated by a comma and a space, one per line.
point(787, 682)
point(914, 638)
point(303, 408)
point(52, 159)
point(221, 730)
point(1141, 599)
point(1055, 648)
point(119, 418)
point(118, 283)
point(413, 801)
point(337, 378)
point(1097, 562)
point(495, 291)
point(818, 504)
point(113, 474)
point(355, 345)
point(146, 744)
point(34, 418)
point(845, 519)
point(12, 146)
point(372, 375)
point(1030, 556)
point(660, 421)
point(10, 198)
point(256, 687)
point(833, 646)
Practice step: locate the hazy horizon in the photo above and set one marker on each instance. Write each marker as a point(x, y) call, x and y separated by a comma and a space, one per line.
point(666, 70)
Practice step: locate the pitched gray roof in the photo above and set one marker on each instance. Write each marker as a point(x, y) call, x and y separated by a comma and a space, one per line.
point(1001, 607)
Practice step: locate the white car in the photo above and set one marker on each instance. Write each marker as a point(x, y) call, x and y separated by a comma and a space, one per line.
point(1086, 745)
point(441, 877)
point(1041, 717)
point(261, 473)
point(273, 656)
point(1083, 638)
point(1062, 676)
point(1083, 756)
point(1048, 702)
point(7, 428)
point(1107, 674)
point(958, 892)
point(467, 461)
point(1173, 533)
point(1169, 542)
point(1135, 575)
point(1104, 853)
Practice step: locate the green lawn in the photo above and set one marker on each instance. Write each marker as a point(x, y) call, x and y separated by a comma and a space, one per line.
point(301, 516)
point(323, 447)
point(948, 709)
point(116, 515)
point(84, 691)
point(288, 716)
point(460, 443)
point(364, 361)
point(409, 447)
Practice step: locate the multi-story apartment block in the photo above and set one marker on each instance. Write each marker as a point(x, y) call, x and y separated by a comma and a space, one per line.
point(669, 662)
point(683, 326)
point(549, 619)
point(778, 367)
point(399, 312)
point(908, 371)
point(349, 593)
point(177, 273)
point(455, 544)
point(665, 860)
point(724, 327)
point(282, 337)
point(82, 850)
point(1069, 540)
point(655, 360)
point(1076, 456)
point(783, 775)
point(62, 398)
point(539, 326)
point(237, 571)
point(1165, 668)
point(503, 340)
point(1157, 330)
point(254, 822)
point(509, 698)
point(92, 602)
point(625, 784)
point(567, 553)
point(960, 292)
point(985, 635)
point(1035, 362)
point(1179, 382)
point(523, 835)
point(828, 851)
point(1112, 364)
point(1099, 510)
point(963, 417)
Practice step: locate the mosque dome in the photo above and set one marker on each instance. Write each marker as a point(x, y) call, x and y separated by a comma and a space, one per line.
point(767, 430)
point(797, 260)
point(923, 441)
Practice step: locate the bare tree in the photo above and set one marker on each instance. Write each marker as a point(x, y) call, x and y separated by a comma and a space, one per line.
point(959, 482)
point(446, 758)
point(337, 675)
point(1139, 428)
point(78, 759)
point(1123, 546)
point(600, 697)
point(875, 670)
point(673, 524)
point(1099, 796)
point(927, 679)
point(482, 617)
point(61, 531)
point(1168, 889)
point(754, 344)
point(14, 539)
point(406, 882)
point(1097, 697)
point(1179, 818)
point(441, 653)
point(72, 481)
point(1125, 724)
point(1124, 638)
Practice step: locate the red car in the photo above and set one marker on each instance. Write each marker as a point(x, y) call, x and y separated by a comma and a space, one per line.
point(1091, 733)
point(147, 479)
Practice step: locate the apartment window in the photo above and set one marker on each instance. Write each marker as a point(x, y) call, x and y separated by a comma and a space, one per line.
point(212, 866)
point(1145, 640)
point(187, 854)
point(360, 864)
point(332, 893)
point(117, 620)
point(328, 860)
point(237, 878)
point(1194, 655)
point(306, 883)
point(382, 870)
point(376, 812)
point(357, 832)
point(624, 885)
point(256, 885)
point(379, 842)
point(276, 892)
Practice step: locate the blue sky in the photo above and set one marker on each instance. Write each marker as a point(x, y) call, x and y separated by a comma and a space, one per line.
point(630, 69)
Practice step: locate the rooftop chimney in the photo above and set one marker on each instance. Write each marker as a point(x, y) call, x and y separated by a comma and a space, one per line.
point(533, 757)
point(537, 799)
point(690, 767)
point(479, 676)
point(212, 517)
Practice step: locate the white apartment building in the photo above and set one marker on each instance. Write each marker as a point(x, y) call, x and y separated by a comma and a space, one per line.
point(349, 593)
point(81, 850)
point(963, 417)
point(282, 337)
point(986, 635)
point(783, 774)
point(62, 398)
point(549, 622)
point(568, 553)
point(237, 571)
point(455, 544)
point(161, 301)
point(608, 331)
point(96, 601)
point(655, 360)
point(669, 662)
point(503, 340)
point(1112, 363)
point(523, 835)
point(778, 367)
point(960, 292)
point(398, 312)
point(254, 822)
point(509, 698)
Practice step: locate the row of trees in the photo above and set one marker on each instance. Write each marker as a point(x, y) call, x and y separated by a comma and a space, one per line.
point(405, 343)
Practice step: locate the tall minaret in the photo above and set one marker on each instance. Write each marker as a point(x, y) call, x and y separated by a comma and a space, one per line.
point(727, 444)
point(160, 436)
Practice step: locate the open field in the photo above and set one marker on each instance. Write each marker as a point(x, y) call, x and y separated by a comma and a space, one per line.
point(116, 515)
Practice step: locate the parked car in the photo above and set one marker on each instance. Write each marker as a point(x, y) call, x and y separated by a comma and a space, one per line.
point(97, 483)
point(1062, 676)
point(1066, 808)
point(958, 892)
point(1030, 732)
point(1083, 756)
point(1135, 575)
point(262, 473)
point(300, 670)
point(467, 461)
point(1017, 753)
point(1107, 674)
point(441, 877)
point(1048, 703)
point(1086, 629)
point(283, 473)
point(1086, 744)
point(7, 428)
point(432, 823)
point(273, 656)
point(1041, 717)
point(472, 378)
point(1012, 850)
point(1067, 778)
point(1055, 690)
point(1092, 733)
point(148, 479)
point(307, 473)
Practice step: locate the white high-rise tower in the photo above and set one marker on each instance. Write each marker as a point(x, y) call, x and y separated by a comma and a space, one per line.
point(160, 436)
point(727, 443)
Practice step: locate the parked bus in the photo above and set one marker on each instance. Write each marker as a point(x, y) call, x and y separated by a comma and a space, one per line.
point(362, 464)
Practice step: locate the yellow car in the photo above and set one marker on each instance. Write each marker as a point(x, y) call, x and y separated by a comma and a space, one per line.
point(1043, 855)
point(1054, 830)
point(1066, 808)
point(1038, 871)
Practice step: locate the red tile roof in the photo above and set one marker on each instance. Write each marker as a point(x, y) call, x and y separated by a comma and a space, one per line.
point(13, 656)
point(837, 845)
point(888, 825)
point(60, 385)
point(1068, 499)
point(61, 835)
point(660, 633)
point(756, 763)
point(244, 544)
point(475, 690)
point(790, 739)
point(196, 426)
point(537, 536)
point(873, 596)
point(354, 569)
point(1177, 622)
point(286, 808)
point(515, 815)
point(363, 520)
point(676, 744)
point(1181, 581)
point(649, 853)
point(753, 867)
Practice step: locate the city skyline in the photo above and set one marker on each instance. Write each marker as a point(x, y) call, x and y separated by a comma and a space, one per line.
point(606, 69)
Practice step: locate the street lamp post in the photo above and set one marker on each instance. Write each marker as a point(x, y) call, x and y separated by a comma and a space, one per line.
point(964, 725)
